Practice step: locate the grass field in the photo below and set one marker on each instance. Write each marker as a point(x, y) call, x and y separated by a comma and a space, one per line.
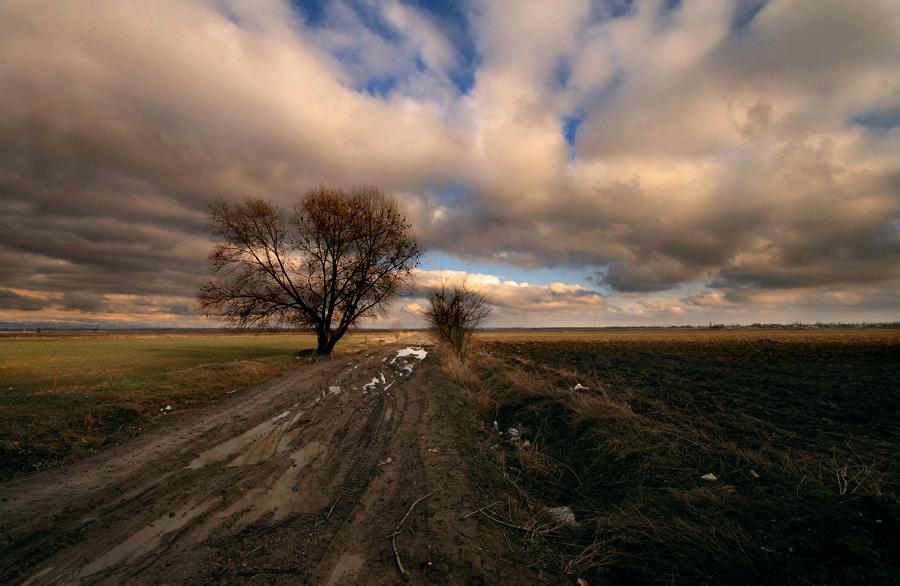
point(800, 431)
point(63, 395)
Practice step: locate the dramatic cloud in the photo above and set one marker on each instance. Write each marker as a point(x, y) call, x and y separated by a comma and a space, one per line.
point(703, 159)
point(517, 303)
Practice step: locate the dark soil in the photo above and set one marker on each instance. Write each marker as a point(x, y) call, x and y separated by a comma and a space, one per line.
point(801, 435)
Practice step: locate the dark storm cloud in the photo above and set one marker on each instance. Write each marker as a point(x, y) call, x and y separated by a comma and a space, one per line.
point(120, 123)
point(12, 300)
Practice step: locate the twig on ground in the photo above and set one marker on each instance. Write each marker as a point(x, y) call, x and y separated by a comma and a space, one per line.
point(799, 484)
point(393, 535)
point(331, 510)
point(502, 522)
point(397, 555)
point(481, 509)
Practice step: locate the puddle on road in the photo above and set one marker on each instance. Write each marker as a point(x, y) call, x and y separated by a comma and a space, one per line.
point(296, 418)
point(347, 567)
point(254, 445)
point(38, 576)
point(145, 540)
point(302, 456)
point(281, 499)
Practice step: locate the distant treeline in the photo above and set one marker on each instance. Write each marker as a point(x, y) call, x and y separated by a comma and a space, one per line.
point(56, 327)
point(714, 326)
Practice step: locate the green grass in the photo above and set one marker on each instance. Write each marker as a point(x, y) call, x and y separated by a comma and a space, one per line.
point(45, 364)
point(66, 395)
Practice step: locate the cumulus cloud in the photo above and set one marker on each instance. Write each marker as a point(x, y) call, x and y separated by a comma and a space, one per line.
point(706, 153)
point(515, 303)
point(745, 147)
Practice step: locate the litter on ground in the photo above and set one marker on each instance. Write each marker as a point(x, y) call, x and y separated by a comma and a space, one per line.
point(563, 515)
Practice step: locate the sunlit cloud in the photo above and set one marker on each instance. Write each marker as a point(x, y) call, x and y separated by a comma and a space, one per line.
point(693, 161)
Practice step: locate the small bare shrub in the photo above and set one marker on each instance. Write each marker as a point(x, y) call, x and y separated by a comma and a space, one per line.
point(454, 311)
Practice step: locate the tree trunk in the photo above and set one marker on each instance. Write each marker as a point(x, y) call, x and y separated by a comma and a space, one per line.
point(324, 345)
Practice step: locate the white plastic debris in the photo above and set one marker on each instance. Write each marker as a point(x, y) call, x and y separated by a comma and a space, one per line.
point(165, 409)
point(580, 387)
point(496, 427)
point(709, 476)
point(513, 434)
point(334, 390)
point(563, 516)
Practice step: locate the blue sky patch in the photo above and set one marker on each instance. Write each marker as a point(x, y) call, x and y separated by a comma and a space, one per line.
point(439, 261)
point(313, 11)
point(879, 119)
point(570, 127)
point(380, 88)
point(745, 13)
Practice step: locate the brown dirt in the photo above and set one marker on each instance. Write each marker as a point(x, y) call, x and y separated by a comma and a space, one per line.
point(300, 481)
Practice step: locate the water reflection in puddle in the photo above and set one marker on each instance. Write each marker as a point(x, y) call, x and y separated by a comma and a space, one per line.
point(282, 498)
point(254, 445)
point(145, 540)
point(347, 567)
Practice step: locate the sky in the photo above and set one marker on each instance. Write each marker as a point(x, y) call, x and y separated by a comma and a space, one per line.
point(584, 163)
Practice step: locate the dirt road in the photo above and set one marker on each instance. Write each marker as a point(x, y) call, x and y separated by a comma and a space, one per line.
point(298, 481)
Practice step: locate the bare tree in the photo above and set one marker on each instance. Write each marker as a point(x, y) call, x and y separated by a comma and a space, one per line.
point(336, 258)
point(454, 311)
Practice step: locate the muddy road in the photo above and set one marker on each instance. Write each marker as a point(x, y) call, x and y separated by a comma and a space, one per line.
point(301, 480)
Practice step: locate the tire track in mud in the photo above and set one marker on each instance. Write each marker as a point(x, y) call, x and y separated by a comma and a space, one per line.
point(206, 507)
point(301, 482)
